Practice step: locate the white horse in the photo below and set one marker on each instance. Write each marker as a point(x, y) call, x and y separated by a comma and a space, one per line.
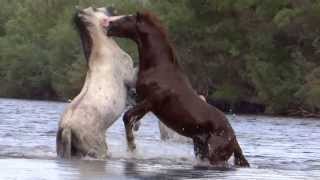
point(102, 99)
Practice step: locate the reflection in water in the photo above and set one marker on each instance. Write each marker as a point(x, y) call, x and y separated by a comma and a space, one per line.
point(89, 169)
point(277, 148)
point(130, 169)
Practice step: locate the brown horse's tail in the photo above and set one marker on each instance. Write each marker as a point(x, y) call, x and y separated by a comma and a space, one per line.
point(239, 158)
point(63, 142)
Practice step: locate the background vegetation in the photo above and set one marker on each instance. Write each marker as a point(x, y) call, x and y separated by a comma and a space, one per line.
point(257, 51)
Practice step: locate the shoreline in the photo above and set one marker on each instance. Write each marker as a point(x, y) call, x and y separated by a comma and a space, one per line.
point(227, 113)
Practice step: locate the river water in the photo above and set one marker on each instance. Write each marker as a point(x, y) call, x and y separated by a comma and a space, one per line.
point(277, 148)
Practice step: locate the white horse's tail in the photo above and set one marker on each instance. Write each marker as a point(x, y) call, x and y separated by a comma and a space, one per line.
point(64, 137)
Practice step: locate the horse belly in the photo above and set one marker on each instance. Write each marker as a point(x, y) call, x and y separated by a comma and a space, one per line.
point(112, 103)
point(106, 100)
point(177, 120)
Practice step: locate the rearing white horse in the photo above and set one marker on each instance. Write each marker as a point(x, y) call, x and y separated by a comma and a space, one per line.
point(103, 97)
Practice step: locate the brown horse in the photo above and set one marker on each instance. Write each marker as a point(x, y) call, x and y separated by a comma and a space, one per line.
point(167, 92)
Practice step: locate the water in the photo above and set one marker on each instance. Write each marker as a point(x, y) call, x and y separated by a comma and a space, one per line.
point(277, 148)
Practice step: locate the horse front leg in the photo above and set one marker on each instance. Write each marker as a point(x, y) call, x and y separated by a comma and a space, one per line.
point(131, 117)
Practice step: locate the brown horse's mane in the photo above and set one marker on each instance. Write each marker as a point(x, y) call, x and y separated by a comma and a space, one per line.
point(154, 21)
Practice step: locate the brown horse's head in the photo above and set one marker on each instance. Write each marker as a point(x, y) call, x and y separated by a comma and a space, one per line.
point(134, 26)
point(123, 26)
point(139, 28)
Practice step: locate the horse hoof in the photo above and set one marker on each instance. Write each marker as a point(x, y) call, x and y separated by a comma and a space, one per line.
point(131, 147)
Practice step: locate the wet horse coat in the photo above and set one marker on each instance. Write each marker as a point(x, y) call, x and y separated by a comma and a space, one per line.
point(167, 134)
point(103, 97)
point(167, 92)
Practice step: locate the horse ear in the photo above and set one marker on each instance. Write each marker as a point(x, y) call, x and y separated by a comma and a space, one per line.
point(139, 16)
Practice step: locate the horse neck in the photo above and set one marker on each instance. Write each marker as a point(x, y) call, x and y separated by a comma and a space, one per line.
point(154, 50)
point(102, 49)
point(100, 40)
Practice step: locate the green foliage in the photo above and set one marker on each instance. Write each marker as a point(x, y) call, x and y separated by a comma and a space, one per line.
point(41, 55)
point(263, 51)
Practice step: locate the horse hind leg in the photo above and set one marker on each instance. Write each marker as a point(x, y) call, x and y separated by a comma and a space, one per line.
point(98, 152)
point(91, 145)
point(100, 149)
point(64, 143)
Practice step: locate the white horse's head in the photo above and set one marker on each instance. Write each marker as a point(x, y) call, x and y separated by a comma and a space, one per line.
point(90, 22)
point(93, 18)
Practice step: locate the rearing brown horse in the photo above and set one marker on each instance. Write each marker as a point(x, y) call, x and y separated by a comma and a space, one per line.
point(167, 92)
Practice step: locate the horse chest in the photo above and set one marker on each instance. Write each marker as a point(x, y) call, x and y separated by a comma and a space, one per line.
point(105, 91)
point(152, 79)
